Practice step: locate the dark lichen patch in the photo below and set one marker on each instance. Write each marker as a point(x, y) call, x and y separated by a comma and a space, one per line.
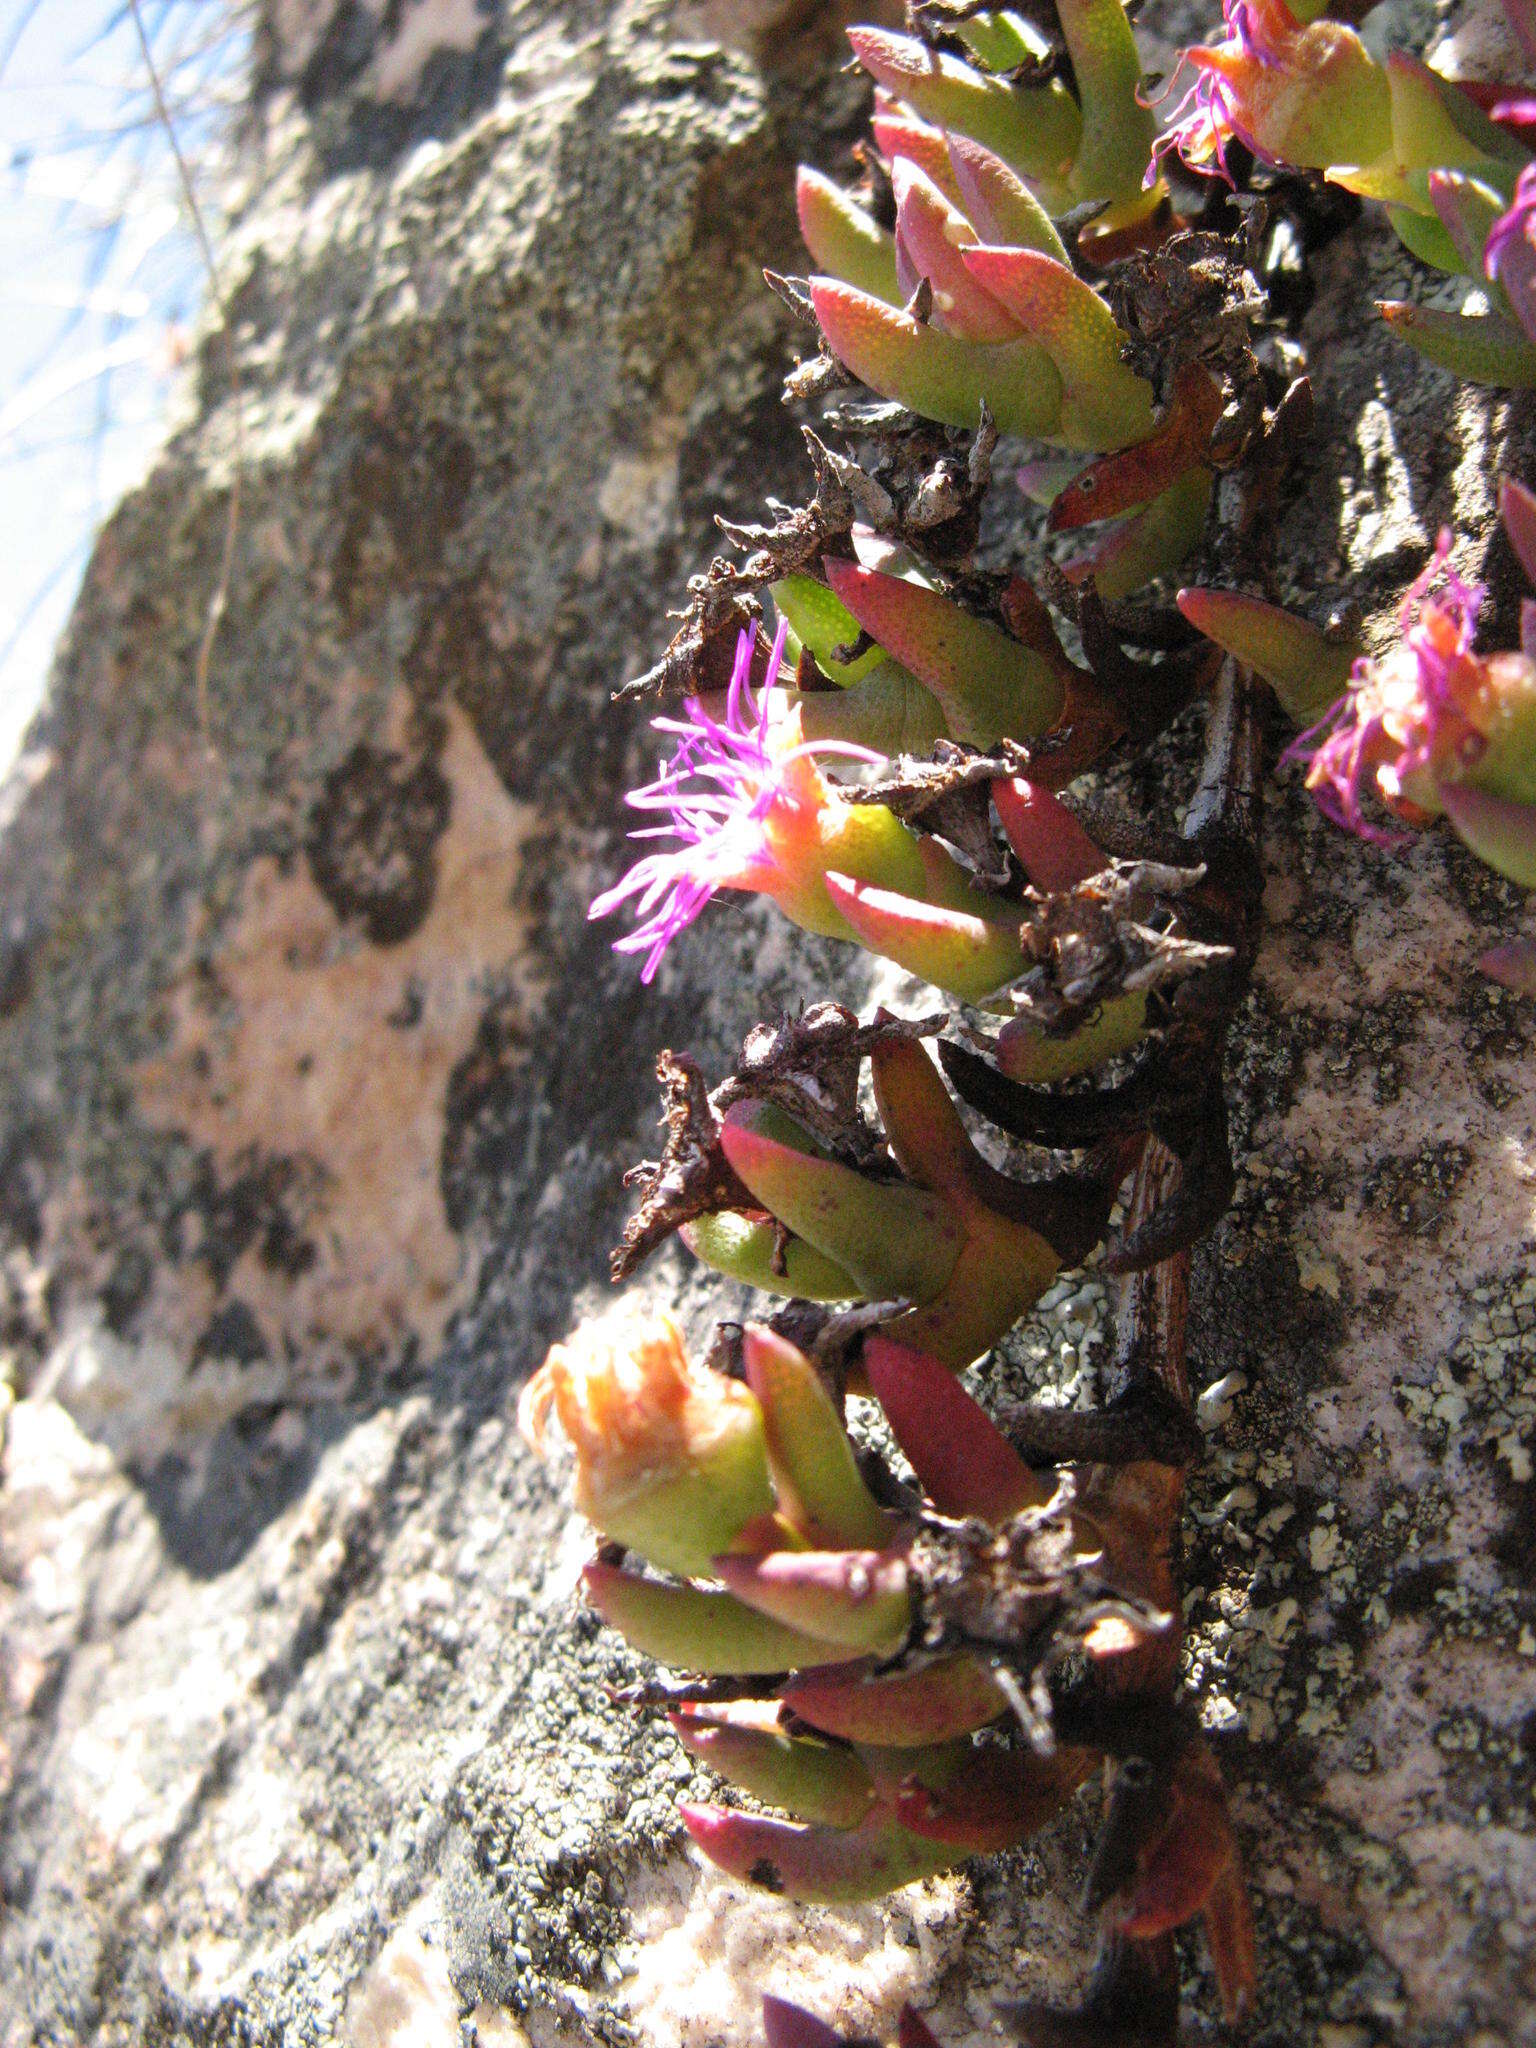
point(372, 835)
point(1491, 1777)
point(232, 1332)
point(1514, 1546)
point(1497, 1031)
point(1338, 1978)
point(720, 468)
point(1259, 1315)
point(1416, 1583)
point(538, 705)
point(264, 1202)
point(1491, 900)
point(486, 1129)
point(127, 1287)
point(340, 55)
point(362, 116)
point(456, 651)
point(1416, 1190)
point(405, 490)
point(16, 949)
point(28, 1162)
point(540, 1850)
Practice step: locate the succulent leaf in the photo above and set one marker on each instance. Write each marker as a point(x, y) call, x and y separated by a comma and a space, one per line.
point(888, 710)
point(1425, 236)
point(1043, 481)
point(1037, 130)
point(1030, 1056)
point(844, 239)
point(1104, 404)
point(1001, 41)
point(1230, 1937)
point(898, 135)
point(912, 2031)
point(815, 1865)
point(996, 1799)
point(965, 955)
point(1131, 477)
point(816, 1476)
point(823, 624)
point(930, 233)
point(990, 685)
point(937, 375)
point(965, 1463)
point(1517, 509)
point(1152, 542)
point(922, 1125)
point(1307, 669)
point(998, 202)
point(1512, 965)
point(700, 1628)
point(1435, 126)
point(894, 1240)
point(1467, 209)
point(1482, 348)
point(929, 1704)
point(814, 1781)
point(753, 1250)
point(1057, 853)
point(1498, 829)
point(857, 1601)
point(1117, 126)
point(791, 2026)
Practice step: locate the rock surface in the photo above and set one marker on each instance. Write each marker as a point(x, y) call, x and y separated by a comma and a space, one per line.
point(315, 1090)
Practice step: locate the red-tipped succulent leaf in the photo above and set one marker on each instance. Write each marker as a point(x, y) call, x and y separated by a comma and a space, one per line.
point(966, 1465)
point(906, 1708)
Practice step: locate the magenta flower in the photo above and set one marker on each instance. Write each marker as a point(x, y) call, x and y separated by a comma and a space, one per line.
point(1307, 94)
point(1518, 116)
point(1205, 119)
point(1407, 714)
point(1510, 253)
point(747, 805)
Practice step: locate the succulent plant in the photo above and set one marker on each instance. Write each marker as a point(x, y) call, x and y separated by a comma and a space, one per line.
point(1431, 727)
point(1303, 92)
point(747, 802)
point(945, 286)
point(914, 1663)
point(898, 1616)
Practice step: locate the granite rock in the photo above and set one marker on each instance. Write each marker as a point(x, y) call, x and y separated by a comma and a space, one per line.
point(316, 1088)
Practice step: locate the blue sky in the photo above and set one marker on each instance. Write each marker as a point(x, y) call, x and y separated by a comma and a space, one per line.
point(100, 282)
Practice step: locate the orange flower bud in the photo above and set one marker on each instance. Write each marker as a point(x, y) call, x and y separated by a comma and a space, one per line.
point(671, 1458)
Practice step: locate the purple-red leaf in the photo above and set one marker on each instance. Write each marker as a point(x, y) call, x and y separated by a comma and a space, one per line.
point(1057, 853)
point(997, 1798)
point(965, 1463)
point(1517, 509)
point(857, 1600)
point(898, 1709)
point(791, 2026)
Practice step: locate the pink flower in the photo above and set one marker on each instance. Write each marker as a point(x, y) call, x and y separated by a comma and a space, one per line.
point(1406, 715)
point(745, 802)
point(1509, 255)
point(1206, 118)
point(1307, 94)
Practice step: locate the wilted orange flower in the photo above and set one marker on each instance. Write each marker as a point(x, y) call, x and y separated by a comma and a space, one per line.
point(670, 1457)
